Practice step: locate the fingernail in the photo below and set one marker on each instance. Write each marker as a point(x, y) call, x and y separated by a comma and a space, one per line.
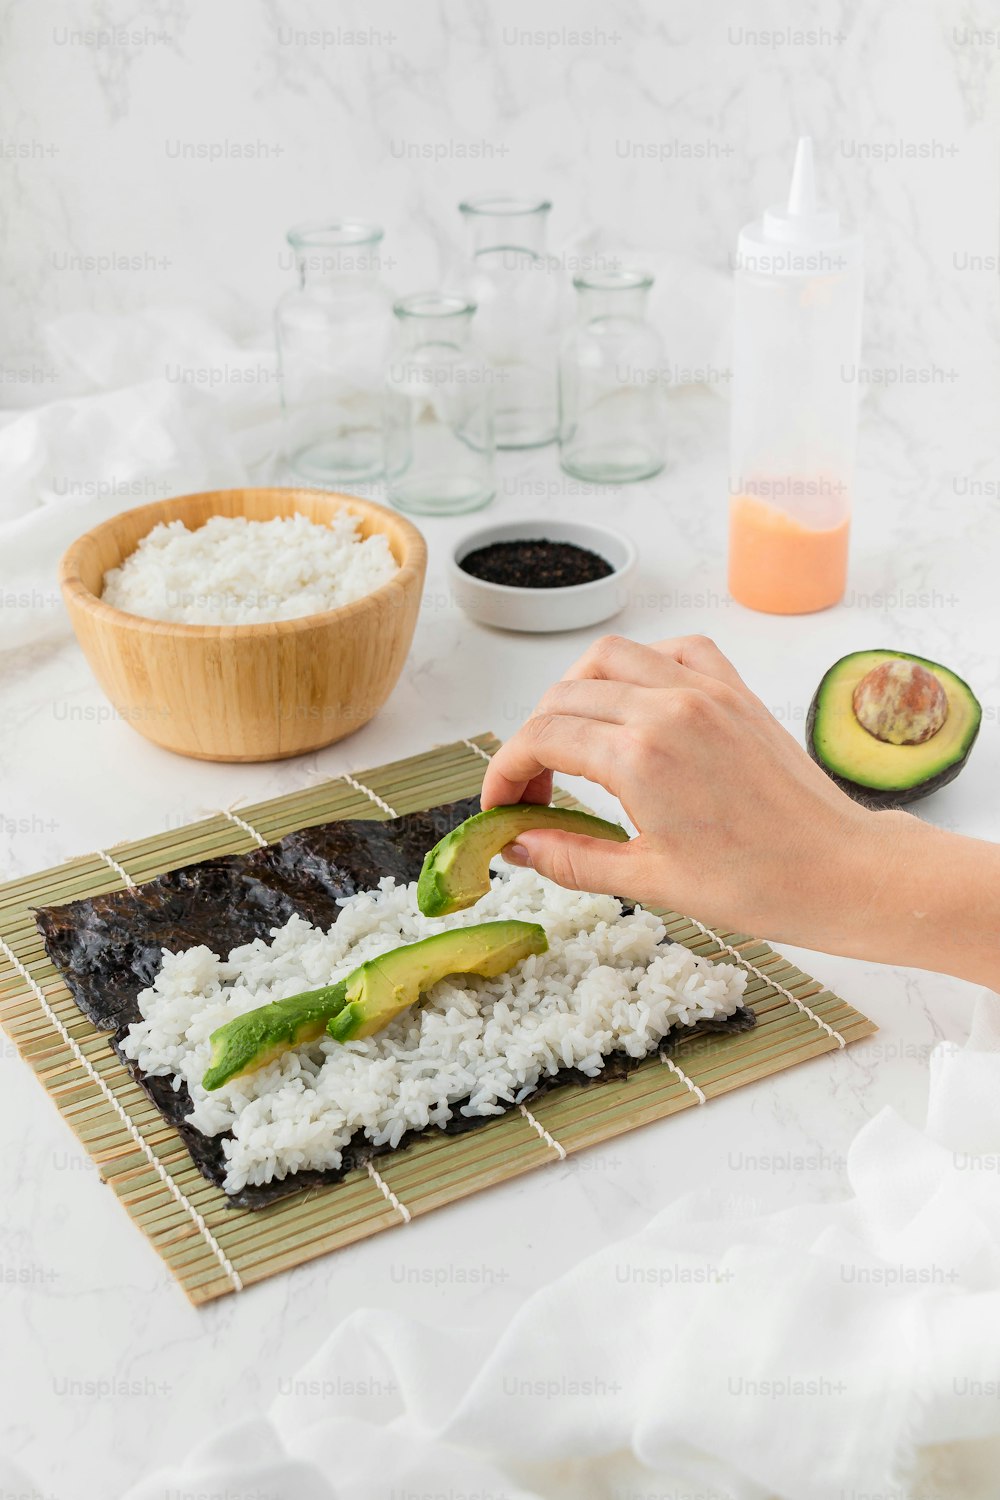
point(517, 854)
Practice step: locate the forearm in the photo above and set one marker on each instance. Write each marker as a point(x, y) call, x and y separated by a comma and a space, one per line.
point(926, 899)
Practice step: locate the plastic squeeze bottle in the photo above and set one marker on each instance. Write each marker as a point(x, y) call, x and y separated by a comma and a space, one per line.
point(796, 342)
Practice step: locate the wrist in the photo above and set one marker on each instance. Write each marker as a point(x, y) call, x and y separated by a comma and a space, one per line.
point(926, 899)
point(875, 847)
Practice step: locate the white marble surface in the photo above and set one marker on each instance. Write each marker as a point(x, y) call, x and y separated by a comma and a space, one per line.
point(108, 1371)
point(187, 144)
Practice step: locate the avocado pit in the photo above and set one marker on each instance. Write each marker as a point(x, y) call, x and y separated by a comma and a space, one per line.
point(901, 703)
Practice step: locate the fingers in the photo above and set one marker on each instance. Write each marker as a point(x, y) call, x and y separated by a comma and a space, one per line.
point(611, 688)
point(614, 658)
point(663, 664)
point(579, 864)
point(502, 788)
point(538, 789)
point(547, 743)
point(700, 654)
point(607, 702)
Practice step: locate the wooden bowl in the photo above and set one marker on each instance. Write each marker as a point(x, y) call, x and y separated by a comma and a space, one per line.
point(246, 692)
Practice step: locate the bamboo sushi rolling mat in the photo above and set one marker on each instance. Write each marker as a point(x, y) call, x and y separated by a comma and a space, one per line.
point(211, 1247)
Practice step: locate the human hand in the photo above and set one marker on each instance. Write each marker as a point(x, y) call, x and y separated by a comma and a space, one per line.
point(735, 823)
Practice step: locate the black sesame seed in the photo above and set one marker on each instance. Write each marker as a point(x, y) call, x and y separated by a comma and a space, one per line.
point(535, 564)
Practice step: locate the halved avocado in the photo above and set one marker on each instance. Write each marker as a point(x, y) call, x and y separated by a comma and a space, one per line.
point(369, 998)
point(889, 727)
point(456, 872)
point(384, 986)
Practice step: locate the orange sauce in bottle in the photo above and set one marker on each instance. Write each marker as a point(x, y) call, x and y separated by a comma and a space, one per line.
point(779, 566)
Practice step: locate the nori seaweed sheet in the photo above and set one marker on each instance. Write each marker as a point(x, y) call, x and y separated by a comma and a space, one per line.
point(109, 947)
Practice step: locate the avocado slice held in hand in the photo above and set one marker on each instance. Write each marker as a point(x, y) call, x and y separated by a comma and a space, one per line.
point(889, 727)
point(369, 998)
point(456, 872)
point(384, 986)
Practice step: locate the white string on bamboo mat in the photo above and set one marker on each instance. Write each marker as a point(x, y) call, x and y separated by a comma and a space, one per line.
point(388, 1194)
point(366, 791)
point(549, 1140)
point(668, 1062)
point(122, 1113)
point(114, 865)
point(227, 812)
point(471, 744)
point(800, 1004)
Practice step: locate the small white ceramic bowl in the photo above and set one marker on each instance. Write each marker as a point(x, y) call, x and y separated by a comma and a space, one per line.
point(540, 610)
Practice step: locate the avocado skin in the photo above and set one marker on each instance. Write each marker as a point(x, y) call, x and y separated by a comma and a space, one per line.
point(380, 989)
point(456, 872)
point(882, 799)
point(432, 891)
point(346, 1023)
point(885, 799)
point(248, 1042)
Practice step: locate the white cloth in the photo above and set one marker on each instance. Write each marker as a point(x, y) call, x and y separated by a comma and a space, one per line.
point(161, 404)
point(810, 1354)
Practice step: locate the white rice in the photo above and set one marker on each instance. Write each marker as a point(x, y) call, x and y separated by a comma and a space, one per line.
point(232, 571)
point(605, 985)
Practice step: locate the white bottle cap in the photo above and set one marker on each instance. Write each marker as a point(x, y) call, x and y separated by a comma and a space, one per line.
point(802, 237)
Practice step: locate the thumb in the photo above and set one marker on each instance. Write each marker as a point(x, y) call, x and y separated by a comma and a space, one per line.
point(573, 861)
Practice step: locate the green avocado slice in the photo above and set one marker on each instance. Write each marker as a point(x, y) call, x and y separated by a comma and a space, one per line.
point(250, 1041)
point(384, 986)
point(875, 771)
point(369, 998)
point(456, 872)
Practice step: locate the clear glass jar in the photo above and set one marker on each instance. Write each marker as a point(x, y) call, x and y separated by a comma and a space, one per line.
point(333, 332)
point(612, 383)
point(438, 411)
point(516, 291)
